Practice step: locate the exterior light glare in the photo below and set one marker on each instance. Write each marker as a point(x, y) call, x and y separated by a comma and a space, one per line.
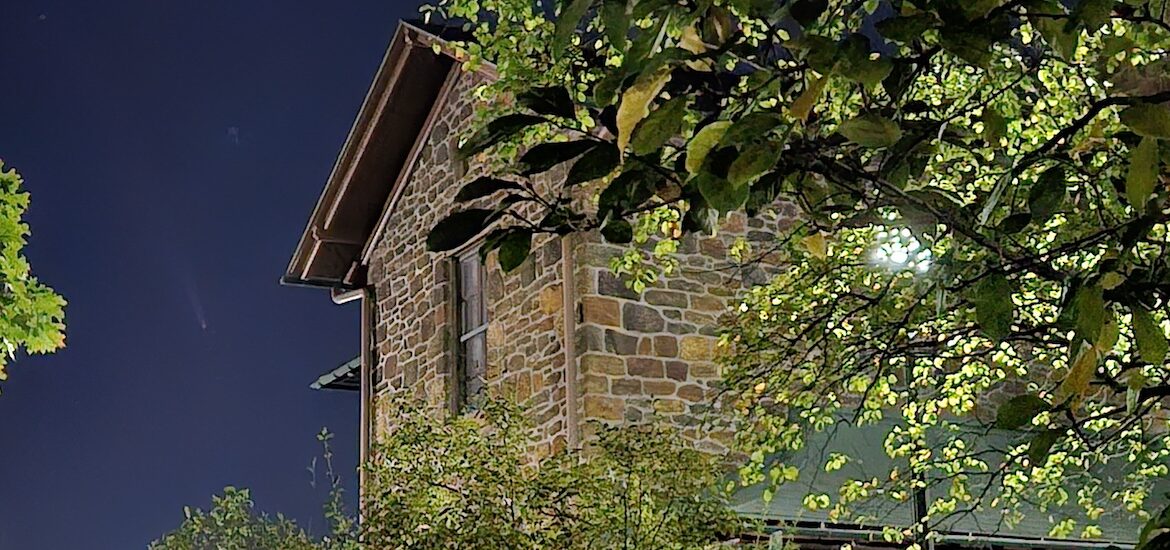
point(899, 250)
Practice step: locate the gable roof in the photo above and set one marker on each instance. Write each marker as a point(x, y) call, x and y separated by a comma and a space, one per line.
point(380, 146)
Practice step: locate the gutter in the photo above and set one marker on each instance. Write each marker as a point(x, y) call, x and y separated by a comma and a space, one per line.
point(317, 283)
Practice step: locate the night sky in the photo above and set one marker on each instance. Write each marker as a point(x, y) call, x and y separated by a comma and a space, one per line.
point(174, 150)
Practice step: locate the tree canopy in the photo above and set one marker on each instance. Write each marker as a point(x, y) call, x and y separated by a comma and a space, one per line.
point(982, 252)
point(32, 316)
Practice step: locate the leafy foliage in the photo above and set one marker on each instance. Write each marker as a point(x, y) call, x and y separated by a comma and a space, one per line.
point(471, 482)
point(984, 199)
point(32, 316)
point(232, 522)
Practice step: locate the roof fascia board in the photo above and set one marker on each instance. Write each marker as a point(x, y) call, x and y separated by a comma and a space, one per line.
point(362, 125)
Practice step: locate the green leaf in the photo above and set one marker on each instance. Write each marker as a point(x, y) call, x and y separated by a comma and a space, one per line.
point(1110, 332)
point(552, 100)
point(1080, 373)
point(703, 142)
point(1014, 223)
point(1062, 41)
point(1148, 120)
point(1134, 384)
point(635, 104)
point(817, 245)
point(615, 16)
point(566, 24)
point(1041, 445)
point(628, 190)
point(975, 9)
point(721, 194)
point(855, 63)
point(1089, 307)
point(498, 130)
point(1151, 340)
point(1092, 14)
point(820, 52)
point(544, 156)
point(492, 241)
point(645, 43)
point(803, 105)
point(994, 126)
point(515, 246)
point(1019, 411)
point(483, 186)
point(1143, 173)
point(753, 161)
point(458, 228)
point(971, 44)
point(606, 89)
point(596, 163)
point(906, 28)
point(752, 127)
point(662, 124)
point(994, 310)
point(871, 131)
point(618, 231)
point(1047, 194)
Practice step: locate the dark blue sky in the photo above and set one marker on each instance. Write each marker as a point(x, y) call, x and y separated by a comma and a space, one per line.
point(174, 150)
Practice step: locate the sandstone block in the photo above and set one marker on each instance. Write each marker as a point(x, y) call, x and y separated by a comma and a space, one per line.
point(604, 408)
point(626, 386)
point(666, 346)
point(641, 318)
point(670, 298)
point(641, 366)
point(602, 364)
point(601, 311)
point(620, 343)
point(691, 392)
point(676, 370)
point(697, 348)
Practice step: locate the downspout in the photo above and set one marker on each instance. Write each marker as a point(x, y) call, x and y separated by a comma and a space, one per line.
point(366, 425)
point(366, 295)
point(569, 308)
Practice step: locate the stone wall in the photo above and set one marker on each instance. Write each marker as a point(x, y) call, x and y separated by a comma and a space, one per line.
point(651, 356)
point(414, 333)
point(639, 358)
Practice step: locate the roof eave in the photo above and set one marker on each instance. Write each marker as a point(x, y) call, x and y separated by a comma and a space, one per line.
point(330, 237)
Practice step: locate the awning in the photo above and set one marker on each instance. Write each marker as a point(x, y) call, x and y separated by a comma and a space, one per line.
point(346, 377)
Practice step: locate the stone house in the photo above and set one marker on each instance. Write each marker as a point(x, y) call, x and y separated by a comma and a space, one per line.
point(560, 333)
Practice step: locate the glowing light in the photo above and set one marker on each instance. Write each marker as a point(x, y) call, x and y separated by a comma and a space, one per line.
point(899, 250)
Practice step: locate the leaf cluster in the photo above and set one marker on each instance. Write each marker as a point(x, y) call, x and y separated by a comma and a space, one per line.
point(32, 316)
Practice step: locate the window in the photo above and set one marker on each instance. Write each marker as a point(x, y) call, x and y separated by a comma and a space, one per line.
point(471, 355)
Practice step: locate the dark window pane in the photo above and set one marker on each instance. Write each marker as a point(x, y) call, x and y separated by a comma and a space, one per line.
point(472, 347)
point(474, 366)
point(471, 310)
